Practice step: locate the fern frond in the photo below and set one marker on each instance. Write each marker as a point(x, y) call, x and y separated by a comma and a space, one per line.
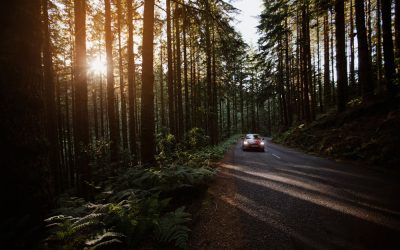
point(108, 244)
point(171, 228)
point(105, 237)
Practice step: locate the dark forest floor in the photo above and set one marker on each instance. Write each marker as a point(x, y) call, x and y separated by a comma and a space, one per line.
point(366, 133)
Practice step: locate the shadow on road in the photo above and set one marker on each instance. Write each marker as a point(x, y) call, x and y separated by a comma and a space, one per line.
point(296, 201)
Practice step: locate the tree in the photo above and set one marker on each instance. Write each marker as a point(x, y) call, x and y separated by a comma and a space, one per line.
point(112, 120)
point(131, 85)
point(388, 54)
point(51, 112)
point(327, 80)
point(364, 56)
point(171, 102)
point(341, 62)
point(24, 159)
point(397, 30)
point(81, 99)
point(147, 117)
point(124, 126)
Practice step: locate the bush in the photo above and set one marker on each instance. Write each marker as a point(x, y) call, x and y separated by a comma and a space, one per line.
point(196, 138)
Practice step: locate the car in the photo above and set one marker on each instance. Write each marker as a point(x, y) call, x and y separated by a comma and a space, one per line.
point(253, 142)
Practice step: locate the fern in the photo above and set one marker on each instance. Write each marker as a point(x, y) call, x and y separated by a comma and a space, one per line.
point(106, 240)
point(171, 228)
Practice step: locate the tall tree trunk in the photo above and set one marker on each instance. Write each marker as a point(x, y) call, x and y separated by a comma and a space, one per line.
point(333, 96)
point(51, 112)
point(147, 117)
point(24, 158)
point(95, 115)
point(162, 86)
point(288, 75)
point(81, 100)
point(306, 65)
point(352, 80)
point(369, 26)
point(241, 100)
point(341, 64)
point(311, 83)
point(388, 48)
point(102, 119)
point(131, 86)
point(185, 71)
point(177, 17)
point(364, 56)
point(124, 125)
point(214, 90)
point(397, 31)
point(171, 100)
point(379, 47)
point(208, 75)
point(321, 104)
point(112, 120)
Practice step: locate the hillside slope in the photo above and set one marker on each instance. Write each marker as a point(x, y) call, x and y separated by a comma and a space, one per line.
point(368, 133)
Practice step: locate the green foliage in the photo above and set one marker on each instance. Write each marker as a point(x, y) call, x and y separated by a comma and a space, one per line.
point(171, 228)
point(196, 138)
point(111, 225)
point(166, 144)
point(134, 204)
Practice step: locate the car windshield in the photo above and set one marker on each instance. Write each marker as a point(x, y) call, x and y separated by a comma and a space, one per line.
point(253, 136)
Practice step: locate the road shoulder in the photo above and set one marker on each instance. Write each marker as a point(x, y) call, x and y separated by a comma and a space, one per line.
point(217, 224)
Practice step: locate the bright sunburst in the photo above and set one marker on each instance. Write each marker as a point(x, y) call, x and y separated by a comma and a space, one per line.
point(97, 65)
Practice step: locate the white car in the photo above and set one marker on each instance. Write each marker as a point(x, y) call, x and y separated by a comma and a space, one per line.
point(253, 142)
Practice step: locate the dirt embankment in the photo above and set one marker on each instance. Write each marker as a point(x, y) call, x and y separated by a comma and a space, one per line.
point(368, 133)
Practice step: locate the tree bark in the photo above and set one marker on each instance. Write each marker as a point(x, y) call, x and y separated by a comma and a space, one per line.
point(379, 47)
point(209, 75)
point(81, 100)
point(306, 64)
point(24, 160)
point(180, 130)
point(51, 112)
point(388, 48)
point(341, 64)
point(147, 117)
point(112, 120)
point(171, 101)
point(185, 72)
point(124, 125)
point(131, 86)
point(397, 31)
point(352, 80)
point(364, 56)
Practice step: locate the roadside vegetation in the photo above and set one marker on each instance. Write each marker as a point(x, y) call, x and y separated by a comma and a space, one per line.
point(140, 206)
point(365, 132)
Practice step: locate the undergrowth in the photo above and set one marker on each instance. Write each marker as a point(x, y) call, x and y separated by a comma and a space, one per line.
point(366, 132)
point(135, 205)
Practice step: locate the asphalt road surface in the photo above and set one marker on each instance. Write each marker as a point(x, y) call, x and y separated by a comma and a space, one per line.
point(285, 199)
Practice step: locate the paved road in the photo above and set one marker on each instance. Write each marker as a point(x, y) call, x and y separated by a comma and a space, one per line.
point(284, 199)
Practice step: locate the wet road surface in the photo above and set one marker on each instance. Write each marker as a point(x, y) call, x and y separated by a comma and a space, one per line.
point(285, 199)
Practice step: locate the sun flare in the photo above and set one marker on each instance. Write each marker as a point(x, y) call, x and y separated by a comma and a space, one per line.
point(98, 66)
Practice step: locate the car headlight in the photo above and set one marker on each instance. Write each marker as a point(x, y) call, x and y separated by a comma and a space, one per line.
point(262, 143)
point(246, 143)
